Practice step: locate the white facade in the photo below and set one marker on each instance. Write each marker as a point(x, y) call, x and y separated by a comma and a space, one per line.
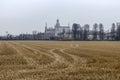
point(65, 30)
point(58, 31)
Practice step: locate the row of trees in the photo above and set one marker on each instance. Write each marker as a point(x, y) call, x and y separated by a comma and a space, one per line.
point(78, 32)
point(97, 33)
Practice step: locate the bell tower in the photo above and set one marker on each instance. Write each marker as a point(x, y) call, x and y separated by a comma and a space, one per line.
point(57, 23)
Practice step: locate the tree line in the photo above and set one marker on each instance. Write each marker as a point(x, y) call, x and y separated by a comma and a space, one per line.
point(78, 32)
point(97, 33)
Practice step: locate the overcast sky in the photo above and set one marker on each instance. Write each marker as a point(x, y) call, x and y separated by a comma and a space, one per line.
point(21, 16)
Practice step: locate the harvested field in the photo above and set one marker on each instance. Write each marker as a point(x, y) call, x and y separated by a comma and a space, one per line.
point(59, 60)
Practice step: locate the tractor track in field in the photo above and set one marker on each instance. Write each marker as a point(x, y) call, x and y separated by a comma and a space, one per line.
point(32, 49)
point(76, 60)
point(63, 61)
point(62, 57)
point(39, 49)
point(36, 53)
point(59, 60)
point(29, 60)
point(68, 59)
point(58, 57)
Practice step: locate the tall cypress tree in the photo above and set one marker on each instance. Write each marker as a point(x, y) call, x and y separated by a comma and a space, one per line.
point(101, 31)
point(95, 31)
point(113, 32)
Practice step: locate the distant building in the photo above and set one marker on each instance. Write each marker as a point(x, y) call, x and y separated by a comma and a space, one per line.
point(60, 29)
point(58, 32)
point(25, 37)
point(49, 32)
point(40, 36)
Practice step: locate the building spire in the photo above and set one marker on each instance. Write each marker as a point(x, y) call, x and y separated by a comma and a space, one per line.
point(45, 26)
point(57, 20)
point(57, 23)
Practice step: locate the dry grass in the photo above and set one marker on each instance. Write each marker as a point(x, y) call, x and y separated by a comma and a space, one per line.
point(52, 60)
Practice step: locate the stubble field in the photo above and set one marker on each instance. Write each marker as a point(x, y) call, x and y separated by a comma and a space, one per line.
point(59, 60)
